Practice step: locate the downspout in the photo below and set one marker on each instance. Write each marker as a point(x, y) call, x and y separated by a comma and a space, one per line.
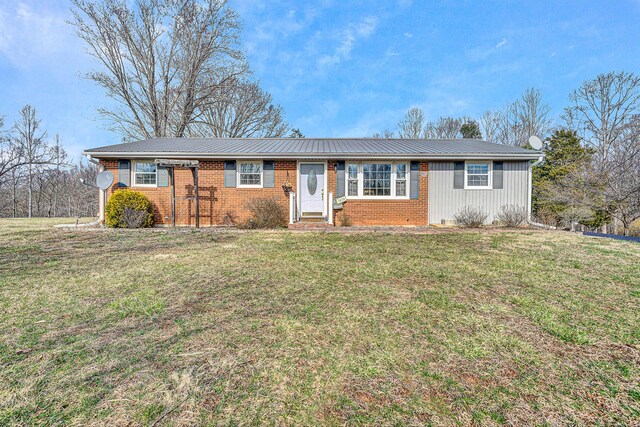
point(530, 192)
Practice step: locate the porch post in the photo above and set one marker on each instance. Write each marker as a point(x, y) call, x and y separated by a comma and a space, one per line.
point(173, 196)
point(330, 215)
point(292, 206)
point(195, 191)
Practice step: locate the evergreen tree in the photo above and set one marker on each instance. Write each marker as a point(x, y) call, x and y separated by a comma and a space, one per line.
point(471, 130)
point(564, 154)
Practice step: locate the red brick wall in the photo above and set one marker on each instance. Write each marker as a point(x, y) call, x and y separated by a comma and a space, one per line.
point(384, 212)
point(216, 201)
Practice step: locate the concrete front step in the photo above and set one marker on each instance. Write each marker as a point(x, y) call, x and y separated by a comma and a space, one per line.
point(310, 225)
point(312, 219)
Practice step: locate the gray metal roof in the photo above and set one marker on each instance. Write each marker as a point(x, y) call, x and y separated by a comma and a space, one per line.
point(300, 148)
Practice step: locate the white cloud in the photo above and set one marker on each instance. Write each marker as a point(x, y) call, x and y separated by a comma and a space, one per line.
point(483, 52)
point(349, 37)
point(501, 43)
point(31, 35)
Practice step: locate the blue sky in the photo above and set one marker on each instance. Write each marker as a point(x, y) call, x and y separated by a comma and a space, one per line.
point(342, 68)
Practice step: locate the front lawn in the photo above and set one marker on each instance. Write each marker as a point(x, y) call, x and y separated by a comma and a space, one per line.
point(146, 327)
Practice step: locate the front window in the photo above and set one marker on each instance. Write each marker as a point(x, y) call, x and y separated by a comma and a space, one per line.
point(250, 174)
point(352, 179)
point(145, 174)
point(377, 180)
point(478, 175)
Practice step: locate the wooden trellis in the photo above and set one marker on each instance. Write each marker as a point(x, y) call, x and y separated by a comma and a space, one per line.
point(170, 165)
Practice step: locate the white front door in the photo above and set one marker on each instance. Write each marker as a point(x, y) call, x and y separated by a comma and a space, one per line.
point(312, 189)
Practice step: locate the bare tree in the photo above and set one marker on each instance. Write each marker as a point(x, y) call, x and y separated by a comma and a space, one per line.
point(533, 114)
point(54, 178)
point(241, 109)
point(10, 156)
point(445, 128)
point(606, 113)
point(37, 178)
point(489, 122)
point(412, 125)
point(385, 134)
point(164, 60)
point(525, 117)
point(29, 142)
point(601, 109)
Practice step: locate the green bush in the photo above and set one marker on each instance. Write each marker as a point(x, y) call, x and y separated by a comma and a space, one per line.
point(128, 209)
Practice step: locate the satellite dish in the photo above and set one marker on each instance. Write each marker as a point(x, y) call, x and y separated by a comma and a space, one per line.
point(535, 142)
point(104, 180)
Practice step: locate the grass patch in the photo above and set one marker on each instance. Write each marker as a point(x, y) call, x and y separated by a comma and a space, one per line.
point(141, 303)
point(226, 328)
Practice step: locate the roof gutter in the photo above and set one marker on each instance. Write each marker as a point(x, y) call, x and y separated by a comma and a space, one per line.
point(313, 156)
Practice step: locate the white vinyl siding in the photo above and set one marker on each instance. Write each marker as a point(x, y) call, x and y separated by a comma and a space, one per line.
point(445, 201)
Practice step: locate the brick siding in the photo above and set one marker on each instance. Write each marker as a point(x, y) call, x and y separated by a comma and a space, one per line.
point(217, 201)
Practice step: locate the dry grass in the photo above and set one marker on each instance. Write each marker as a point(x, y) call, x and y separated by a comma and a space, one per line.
point(278, 328)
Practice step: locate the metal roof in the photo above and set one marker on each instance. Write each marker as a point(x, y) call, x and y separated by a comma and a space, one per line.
point(300, 148)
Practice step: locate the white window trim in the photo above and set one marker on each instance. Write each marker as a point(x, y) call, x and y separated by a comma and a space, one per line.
point(393, 181)
point(133, 174)
point(489, 185)
point(238, 163)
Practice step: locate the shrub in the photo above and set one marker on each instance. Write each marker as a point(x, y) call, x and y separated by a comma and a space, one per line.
point(230, 218)
point(573, 215)
point(546, 216)
point(512, 215)
point(128, 209)
point(345, 221)
point(266, 212)
point(470, 217)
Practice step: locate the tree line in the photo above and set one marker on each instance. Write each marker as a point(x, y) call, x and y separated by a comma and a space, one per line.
point(591, 171)
point(37, 176)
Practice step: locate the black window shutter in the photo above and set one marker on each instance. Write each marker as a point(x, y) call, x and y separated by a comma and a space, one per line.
point(124, 173)
point(458, 175)
point(268, 174)
point(414, 180)
point(230, 173)
point(497, 175)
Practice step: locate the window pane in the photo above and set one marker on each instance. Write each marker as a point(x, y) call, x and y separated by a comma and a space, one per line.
point(353, 171)
point(478, 168)
point(401, 171)
point(376, 179)
point(145, 178)
point(477, 180)
point(249, 179)
point(250, 167)
point(145, 167)
point(401, 188)
point(353, 187)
